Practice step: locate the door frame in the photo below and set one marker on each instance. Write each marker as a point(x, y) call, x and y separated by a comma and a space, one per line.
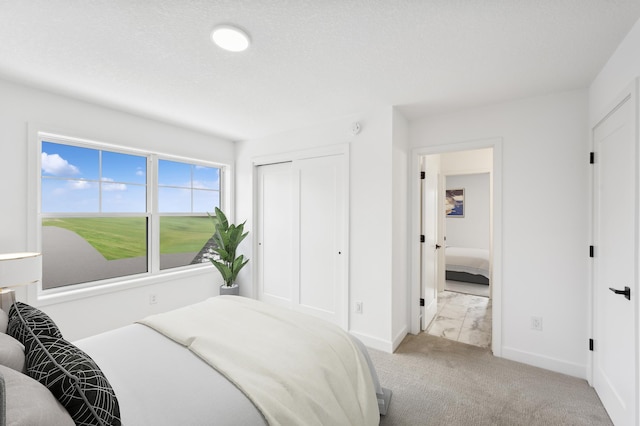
point(495, 234)
point(631, 90)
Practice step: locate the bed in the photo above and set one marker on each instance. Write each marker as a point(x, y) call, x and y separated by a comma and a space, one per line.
point(467, 264)
point(227, 360)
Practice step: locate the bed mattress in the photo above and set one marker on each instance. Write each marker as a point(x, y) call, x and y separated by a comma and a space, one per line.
point(468, 260)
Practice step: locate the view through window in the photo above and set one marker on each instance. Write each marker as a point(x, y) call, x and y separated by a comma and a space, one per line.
point(97, 213)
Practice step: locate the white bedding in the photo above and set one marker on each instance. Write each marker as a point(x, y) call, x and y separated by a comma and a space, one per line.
point(161, 383)
point(469, 260)
point(320, 378)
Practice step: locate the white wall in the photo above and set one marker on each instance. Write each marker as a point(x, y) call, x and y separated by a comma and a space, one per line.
point(466, 162)
point(619, 71)
point(472, 230)
point(371, 213)
point(544, 227)
point(87, 315)
point(401, 228)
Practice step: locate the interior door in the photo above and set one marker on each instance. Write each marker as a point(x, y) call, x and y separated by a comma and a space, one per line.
point(615, 369)
point(275, 234)
point(429, 229)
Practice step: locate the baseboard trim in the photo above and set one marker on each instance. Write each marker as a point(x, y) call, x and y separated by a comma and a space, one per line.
point(548, 363)
point(374, 342)
point(399, 337)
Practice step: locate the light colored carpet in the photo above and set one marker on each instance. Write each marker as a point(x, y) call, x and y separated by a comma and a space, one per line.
point(467, 288)
point(441, 382)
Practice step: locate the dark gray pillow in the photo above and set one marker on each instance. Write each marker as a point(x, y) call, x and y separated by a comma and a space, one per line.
point(23, 317)
point(29, 403)
point(74, 379)
point(11, 353)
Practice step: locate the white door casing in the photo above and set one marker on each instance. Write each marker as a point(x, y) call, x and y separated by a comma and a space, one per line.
point(616, 259)
point(496, 232)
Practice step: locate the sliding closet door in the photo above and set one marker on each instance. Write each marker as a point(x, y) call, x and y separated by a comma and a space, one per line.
point(321, 289)
point(303, 235)
point(275, 234)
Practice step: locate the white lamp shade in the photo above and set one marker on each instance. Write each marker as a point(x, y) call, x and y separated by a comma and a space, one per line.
point(18, 269)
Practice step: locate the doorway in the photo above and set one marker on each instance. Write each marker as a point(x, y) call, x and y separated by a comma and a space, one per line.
point(459, 158)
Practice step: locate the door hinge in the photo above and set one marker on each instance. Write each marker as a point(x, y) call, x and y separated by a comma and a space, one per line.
point(591, 251)
point(591, 344)
point(421, 302)
point(592, 157)
point(422, 239)
point(423, 175)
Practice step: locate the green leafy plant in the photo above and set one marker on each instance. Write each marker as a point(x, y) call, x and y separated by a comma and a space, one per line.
point(227, 238)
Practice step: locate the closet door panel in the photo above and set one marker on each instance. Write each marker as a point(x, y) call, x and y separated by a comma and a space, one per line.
point(275, 234)
point(321, 235)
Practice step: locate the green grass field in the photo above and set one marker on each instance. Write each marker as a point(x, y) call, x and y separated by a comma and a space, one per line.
point(124, 237)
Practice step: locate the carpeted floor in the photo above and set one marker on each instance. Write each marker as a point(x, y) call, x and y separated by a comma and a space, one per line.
point(441, 382)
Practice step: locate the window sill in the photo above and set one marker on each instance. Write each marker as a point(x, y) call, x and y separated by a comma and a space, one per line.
point(39, 298)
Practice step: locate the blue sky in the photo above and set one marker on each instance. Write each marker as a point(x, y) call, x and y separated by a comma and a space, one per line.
point(71, 182)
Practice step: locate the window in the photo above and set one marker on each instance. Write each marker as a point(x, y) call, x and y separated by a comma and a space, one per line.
point(186, 192)
point(98, 212)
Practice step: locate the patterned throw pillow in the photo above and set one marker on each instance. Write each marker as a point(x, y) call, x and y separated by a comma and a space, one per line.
point(75, 380)
point(23, 317)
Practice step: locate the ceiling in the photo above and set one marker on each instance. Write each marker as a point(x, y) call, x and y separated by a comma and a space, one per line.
point(310, 61)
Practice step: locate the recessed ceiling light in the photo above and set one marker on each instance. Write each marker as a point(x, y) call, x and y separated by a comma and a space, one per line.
point(230, 38)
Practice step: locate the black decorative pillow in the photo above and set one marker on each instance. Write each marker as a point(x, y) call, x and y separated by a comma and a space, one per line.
point(74, 379)
point(23, 317)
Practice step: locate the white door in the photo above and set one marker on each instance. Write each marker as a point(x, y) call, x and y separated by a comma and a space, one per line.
point(275, 234)
point(302, 236)
point(615, 369)
point(321, 275)
point(429, 214)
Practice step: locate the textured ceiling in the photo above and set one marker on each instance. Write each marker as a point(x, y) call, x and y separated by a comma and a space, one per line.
point(311, 60)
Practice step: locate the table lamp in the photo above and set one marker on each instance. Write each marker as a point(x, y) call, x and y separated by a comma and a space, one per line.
point(17, 269)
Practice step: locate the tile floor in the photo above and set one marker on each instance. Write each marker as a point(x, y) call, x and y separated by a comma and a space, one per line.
point(464, 318)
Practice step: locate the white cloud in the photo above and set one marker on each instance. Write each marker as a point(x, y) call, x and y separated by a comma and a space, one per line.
point(108, 185)
point(57, 166)
point(140, 172)
point(79, 184)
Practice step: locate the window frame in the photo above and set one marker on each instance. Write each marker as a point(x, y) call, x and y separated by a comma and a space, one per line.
point(36, 294)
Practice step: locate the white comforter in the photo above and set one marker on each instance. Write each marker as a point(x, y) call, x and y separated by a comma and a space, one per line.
point(295, 368)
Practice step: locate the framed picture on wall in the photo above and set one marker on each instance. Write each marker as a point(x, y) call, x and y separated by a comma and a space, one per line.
point(454, 202)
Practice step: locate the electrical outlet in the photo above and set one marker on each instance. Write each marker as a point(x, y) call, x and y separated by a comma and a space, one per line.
point(536, 323)
point(358, 307)
point(153, 299)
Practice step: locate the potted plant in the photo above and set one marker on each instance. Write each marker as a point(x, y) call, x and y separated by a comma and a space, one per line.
point(226, 239)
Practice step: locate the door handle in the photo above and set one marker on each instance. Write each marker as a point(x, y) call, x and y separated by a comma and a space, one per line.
point(438, 246)
point(626, 292)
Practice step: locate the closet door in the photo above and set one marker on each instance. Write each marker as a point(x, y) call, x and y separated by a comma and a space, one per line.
point(303, 236)
point(321, 238)
point(275, 234)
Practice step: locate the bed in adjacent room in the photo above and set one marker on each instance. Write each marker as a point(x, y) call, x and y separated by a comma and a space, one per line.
point(226, 361)
point(467, 265)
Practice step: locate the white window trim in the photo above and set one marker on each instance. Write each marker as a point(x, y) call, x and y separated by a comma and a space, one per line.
point(36, 296)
